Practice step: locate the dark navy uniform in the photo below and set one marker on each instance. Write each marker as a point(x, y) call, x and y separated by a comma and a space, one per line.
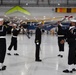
point(15, 32)
point(60, 33)
point(2, 43)
point(37, 42)
point(3, 31)
point(71, 39)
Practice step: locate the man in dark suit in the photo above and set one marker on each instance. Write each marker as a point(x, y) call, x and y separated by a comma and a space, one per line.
point(38, 42)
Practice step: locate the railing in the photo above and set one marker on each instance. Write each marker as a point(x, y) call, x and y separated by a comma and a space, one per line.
point(39, 3)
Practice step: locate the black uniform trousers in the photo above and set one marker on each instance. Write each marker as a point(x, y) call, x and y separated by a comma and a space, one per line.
point(37, 52)
point(61, 46)
point(2, 49)
point(72, 53)
point(13, 43)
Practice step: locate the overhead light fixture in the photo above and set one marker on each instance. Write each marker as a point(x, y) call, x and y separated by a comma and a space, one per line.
point(34, 17)
point(53, 17)
point(58, 3)
point(23, 16)
point(26, 3)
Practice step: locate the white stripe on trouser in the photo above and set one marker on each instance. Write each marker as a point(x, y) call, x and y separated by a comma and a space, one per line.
point(1, 65)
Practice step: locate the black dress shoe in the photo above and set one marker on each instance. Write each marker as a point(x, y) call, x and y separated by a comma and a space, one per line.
point(38, 60)
point(3, 68)
point(29, 37)
point(61, 56)
point(67, 71)
point(9, 54)
point(16, 54)
point(73, 69)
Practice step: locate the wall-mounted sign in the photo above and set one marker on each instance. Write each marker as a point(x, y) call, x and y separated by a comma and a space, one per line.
point(17, 9)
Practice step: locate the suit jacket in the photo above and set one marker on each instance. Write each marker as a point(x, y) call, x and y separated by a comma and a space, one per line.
point(38, 35)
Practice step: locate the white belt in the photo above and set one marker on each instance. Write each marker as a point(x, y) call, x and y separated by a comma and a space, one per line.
point(60, 35)
point(14, 36)
point(2, 37)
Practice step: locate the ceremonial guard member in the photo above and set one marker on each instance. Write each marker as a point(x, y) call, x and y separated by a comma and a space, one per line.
point(60, 34)
point(38, 42)
point(71, 39)
point(15, 33)
point(2, 44)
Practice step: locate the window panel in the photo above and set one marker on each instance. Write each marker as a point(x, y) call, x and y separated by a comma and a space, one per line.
point(10, 1)
point(28, 1)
